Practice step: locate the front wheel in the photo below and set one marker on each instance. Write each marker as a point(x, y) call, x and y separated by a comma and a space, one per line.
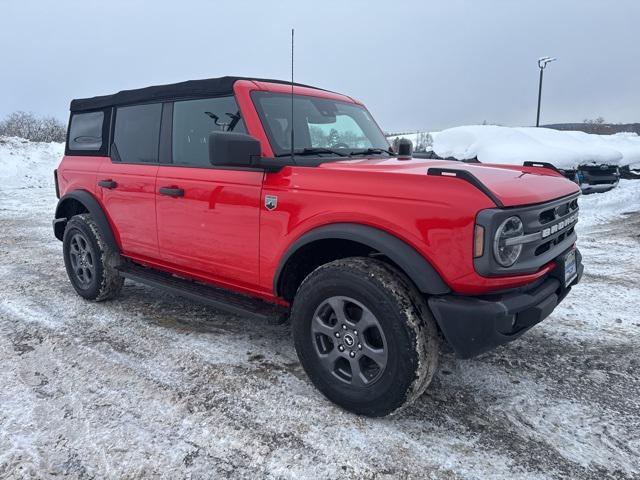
point(364, 336)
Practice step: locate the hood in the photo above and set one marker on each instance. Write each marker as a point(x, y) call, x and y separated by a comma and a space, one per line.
point(511, 185)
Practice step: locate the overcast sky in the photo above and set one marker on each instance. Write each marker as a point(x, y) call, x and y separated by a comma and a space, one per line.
point(417, 64)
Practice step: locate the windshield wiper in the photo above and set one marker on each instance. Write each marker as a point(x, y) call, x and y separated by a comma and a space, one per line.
point(370, 151)
point(313, 151)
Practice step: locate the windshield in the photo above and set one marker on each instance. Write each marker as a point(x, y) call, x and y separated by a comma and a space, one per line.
point(321, 125)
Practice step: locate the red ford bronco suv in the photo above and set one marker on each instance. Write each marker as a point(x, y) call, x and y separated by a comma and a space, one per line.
point(276, 200)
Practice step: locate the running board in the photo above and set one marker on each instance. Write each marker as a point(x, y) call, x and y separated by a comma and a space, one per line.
point(219, 298)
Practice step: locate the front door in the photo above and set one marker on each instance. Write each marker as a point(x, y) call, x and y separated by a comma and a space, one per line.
point(208, 218)
point(127, 180)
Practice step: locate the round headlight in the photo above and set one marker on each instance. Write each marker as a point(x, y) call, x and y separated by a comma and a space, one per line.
point(506, 255)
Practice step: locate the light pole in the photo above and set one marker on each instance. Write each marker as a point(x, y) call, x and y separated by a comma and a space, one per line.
point(542, 64)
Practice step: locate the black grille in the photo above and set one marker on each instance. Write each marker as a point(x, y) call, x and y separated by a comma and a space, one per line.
point(553, 221)
point(547, 216)
point(552, 214)
point(546, 246)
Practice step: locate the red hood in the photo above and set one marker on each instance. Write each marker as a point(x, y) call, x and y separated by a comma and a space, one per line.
point(512, 185)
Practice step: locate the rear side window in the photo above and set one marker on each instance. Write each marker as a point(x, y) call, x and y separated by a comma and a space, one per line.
point(194, 120)
point(137, 133)
point(85, 132)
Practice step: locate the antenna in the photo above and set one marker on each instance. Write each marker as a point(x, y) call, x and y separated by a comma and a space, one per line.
point(292, 135)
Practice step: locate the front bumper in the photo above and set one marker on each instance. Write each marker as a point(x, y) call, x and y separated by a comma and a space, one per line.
point(473, 325)
point(598, 188)
point(593, 179)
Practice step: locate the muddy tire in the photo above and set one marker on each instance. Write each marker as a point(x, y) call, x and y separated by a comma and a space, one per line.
point(365, 336)
point(89, 260)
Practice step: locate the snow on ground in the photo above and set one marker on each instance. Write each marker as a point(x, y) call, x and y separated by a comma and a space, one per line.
point(153, 386)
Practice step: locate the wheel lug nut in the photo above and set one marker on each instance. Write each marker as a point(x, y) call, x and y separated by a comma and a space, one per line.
point(355, 332)
point(352, 354)
point(344, 327)
point(337, 334)
point(359, 346)
point(341, 348)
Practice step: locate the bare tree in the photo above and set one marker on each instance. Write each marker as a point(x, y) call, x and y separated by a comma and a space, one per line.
point(52, 130)
point(595, 125)
point(424, 142)
point(29, 126)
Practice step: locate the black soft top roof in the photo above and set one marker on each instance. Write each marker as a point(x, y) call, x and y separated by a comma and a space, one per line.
point(188, 89)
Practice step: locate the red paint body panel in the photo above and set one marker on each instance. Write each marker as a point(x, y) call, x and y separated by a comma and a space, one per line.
point(78, 173)
point(435, 215)
point(221, 232)
point(131, 206)
point(214, 229)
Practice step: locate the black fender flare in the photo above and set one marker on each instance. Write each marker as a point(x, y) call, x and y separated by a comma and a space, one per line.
point(93, 207)
point(412, 263)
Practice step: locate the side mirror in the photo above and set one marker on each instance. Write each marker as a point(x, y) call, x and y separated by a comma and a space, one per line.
point(233, 149)
point(405, 148)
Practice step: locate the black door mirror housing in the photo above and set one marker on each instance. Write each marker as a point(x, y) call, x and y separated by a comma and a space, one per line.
point(405, 148)
point(231, 149)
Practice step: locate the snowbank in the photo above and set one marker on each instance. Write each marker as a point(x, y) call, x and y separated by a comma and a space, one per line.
point(619, 203)
point(28, 164)
point(589, 148)
point(627, 143)
point(501, 145)
point(505, 145)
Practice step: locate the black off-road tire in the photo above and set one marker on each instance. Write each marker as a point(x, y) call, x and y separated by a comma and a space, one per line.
point(407, 330)
point(104, 282)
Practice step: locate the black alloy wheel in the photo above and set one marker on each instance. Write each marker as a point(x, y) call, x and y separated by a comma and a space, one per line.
point(349, 341)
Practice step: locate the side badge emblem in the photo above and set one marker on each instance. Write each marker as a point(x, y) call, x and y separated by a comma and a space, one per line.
point(270, 202)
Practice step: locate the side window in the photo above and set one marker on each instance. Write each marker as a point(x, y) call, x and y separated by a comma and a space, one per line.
point(137, 133)
point(194, 120)
point(85, 131)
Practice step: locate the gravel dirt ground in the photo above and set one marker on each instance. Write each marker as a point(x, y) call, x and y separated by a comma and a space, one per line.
point(150, 386)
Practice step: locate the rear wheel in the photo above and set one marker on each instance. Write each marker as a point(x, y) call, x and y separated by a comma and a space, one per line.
point(89, 261)
point(364, 335)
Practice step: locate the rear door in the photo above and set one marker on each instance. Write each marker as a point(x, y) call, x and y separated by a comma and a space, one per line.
point(127, 179)
point(208, 217)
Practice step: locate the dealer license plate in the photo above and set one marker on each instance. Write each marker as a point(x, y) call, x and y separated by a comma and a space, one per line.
point(570, 268)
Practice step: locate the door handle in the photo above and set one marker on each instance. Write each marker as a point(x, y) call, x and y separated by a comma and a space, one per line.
point(172, 191)
point(107, 184)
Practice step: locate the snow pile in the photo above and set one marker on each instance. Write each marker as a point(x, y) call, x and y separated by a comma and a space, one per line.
point(589, 148)
point(505, 145)
point(627, 143)
point(25, 164)
point(615, 204)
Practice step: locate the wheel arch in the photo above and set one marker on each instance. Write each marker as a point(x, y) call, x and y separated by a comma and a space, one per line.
point(81, 201)
point(340, 240)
